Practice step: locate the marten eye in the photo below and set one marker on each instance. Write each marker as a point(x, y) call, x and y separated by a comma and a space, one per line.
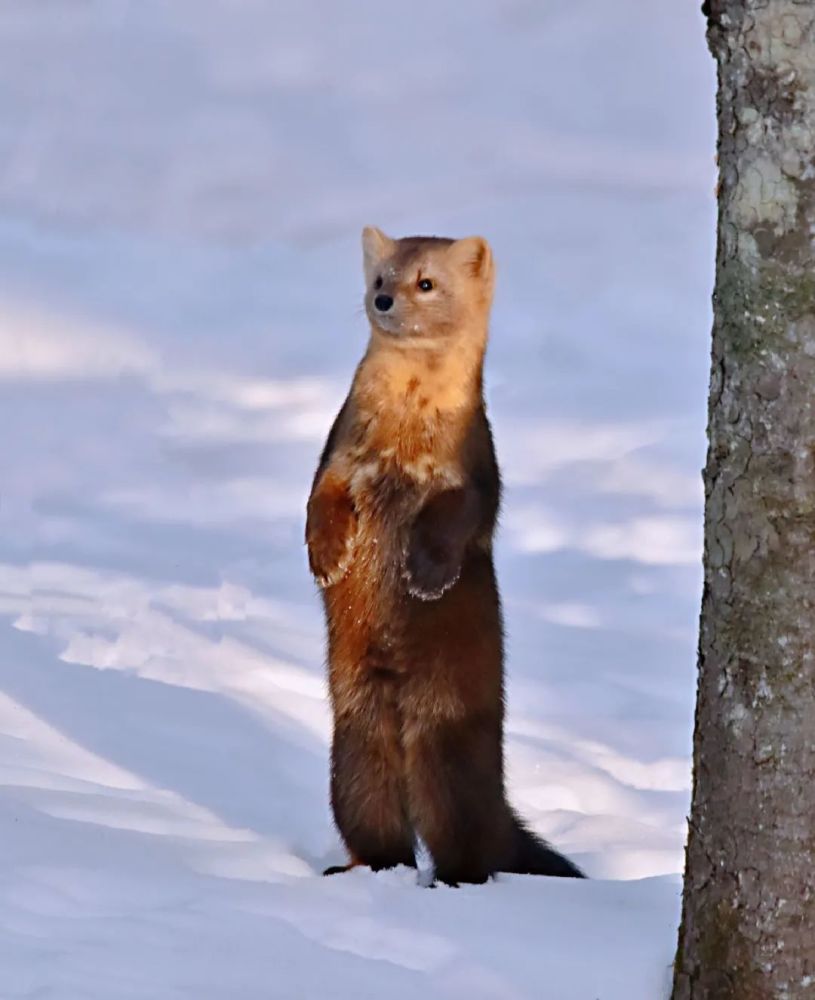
point(378, 282)
point(426, 284)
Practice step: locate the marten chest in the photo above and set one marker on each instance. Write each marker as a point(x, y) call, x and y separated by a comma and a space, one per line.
point(410, 414)
point(398, 459)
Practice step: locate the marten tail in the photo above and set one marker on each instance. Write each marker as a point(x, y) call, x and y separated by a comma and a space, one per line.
point(535, 857)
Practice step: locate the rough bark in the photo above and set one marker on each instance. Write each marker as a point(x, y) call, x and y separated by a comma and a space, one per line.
point(748, 922)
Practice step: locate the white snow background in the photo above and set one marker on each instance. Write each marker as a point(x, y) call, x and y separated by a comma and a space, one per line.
point(182, 187)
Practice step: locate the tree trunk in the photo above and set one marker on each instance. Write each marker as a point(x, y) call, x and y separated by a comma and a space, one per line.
point(748, 922)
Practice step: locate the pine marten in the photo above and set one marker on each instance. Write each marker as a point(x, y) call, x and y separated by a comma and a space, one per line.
point(399, 530)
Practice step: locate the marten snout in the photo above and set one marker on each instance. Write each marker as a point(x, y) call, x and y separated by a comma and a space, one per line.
point(383, 303)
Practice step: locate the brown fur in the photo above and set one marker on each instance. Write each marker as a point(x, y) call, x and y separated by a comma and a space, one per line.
point(399, 530)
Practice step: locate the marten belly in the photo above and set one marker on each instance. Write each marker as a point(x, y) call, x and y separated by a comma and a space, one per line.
point(448, 650)
point(366, 608)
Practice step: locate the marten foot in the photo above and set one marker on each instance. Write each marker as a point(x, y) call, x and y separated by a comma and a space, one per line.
point(464, 876)
point(340, 869)
point(375, 866)
point(430, 570)
point(330, 535)
point(330, 566)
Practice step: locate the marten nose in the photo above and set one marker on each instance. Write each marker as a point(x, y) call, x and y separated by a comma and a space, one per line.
point(383, 302)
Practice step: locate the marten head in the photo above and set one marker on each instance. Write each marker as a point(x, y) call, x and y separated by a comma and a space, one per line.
point(425, 289)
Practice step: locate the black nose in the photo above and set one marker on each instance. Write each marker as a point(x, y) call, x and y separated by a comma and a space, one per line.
point(383, 302)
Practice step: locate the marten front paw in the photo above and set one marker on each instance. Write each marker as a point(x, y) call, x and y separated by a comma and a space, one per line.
point(431, 569)
point(330, 534)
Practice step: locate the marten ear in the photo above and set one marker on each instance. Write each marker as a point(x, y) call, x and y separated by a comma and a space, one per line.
point(474, 256)
point(376, 246)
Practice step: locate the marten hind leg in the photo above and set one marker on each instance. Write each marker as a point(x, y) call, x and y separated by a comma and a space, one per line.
point(368, 795)
point(455, 787)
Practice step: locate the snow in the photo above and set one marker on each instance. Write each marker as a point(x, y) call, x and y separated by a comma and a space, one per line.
point(182, 188)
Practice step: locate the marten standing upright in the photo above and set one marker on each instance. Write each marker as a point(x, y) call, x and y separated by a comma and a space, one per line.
point(399, 532)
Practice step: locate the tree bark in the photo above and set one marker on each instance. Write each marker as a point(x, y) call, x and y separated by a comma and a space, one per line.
point(748, 921)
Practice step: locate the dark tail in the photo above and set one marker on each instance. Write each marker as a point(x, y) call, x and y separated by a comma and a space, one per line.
point(535, 857)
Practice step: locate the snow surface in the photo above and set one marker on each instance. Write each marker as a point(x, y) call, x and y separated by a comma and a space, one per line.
point(181, 192)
